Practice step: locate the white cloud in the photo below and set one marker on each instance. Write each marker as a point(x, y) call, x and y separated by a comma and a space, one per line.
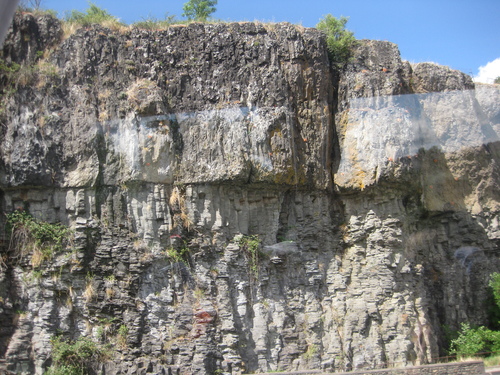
point(488, 72)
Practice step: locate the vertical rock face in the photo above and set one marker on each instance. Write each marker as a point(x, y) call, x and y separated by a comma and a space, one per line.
point(238, 205)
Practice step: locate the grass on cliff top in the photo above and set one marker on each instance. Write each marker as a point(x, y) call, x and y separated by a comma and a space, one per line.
point(94, 15)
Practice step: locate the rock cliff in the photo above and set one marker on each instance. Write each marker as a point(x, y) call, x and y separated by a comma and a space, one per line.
point(239, 204)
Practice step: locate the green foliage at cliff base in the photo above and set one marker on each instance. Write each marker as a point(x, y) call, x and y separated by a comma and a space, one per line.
point(473, 341)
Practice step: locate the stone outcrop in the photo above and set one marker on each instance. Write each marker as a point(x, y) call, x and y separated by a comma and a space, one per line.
point(240, 205)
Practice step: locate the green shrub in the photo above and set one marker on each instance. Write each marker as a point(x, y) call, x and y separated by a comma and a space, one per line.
point(8, 68)
point(339, 40)
point(493, 302)
point(475, 341)
point(39, 237)
point(40, 232)
point(93, 15)
point(178, 255)
point(495, 286)
point(77, 357)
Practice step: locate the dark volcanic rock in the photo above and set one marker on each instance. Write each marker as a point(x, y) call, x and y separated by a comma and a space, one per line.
point(238, 204)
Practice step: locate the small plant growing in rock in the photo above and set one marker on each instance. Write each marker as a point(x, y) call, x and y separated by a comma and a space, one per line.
point(178, 255)
point(122, 336)
point(199, 293)
point(110, 279)
point(106, 328)
point(251, 245)
point(310, 352)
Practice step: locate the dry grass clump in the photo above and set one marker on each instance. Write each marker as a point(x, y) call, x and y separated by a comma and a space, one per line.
point(89, 293)
point(178, 205)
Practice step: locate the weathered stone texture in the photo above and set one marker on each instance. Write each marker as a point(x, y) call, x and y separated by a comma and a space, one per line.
point(372, 190)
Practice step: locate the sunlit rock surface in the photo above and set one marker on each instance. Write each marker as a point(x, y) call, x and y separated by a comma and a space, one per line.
point(371, 192)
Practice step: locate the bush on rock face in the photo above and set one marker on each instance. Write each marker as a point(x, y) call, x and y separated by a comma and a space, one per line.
point(75, 358)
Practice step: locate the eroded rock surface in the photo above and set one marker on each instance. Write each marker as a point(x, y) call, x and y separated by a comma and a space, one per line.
point(239, 205)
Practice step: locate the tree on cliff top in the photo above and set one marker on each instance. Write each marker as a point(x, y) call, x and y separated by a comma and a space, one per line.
point(199, 10)
point(339, 40)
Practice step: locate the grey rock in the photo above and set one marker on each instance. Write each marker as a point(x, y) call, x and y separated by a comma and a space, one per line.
point(372, 188)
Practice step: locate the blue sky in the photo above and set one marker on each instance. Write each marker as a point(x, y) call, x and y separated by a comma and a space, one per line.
point(462, 34)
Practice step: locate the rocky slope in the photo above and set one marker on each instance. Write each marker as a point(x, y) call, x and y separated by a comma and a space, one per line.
point(371, 192)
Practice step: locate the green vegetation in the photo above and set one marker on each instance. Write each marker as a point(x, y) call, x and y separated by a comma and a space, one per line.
point(39, 237)
point(8, 72)
point(310, 352)
point(93, 15)
point(77, 357)
point(40, 232)
point(493, 304)
point(497, 81)
point(178, 255)
point(481, 340)
point(122, 336)
point(14, 76)
point(153, 23)
point(6, 69)
point(251, 247)
point(339, 40)
point(199, 10)
point(474, 341)
point(495, 286)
